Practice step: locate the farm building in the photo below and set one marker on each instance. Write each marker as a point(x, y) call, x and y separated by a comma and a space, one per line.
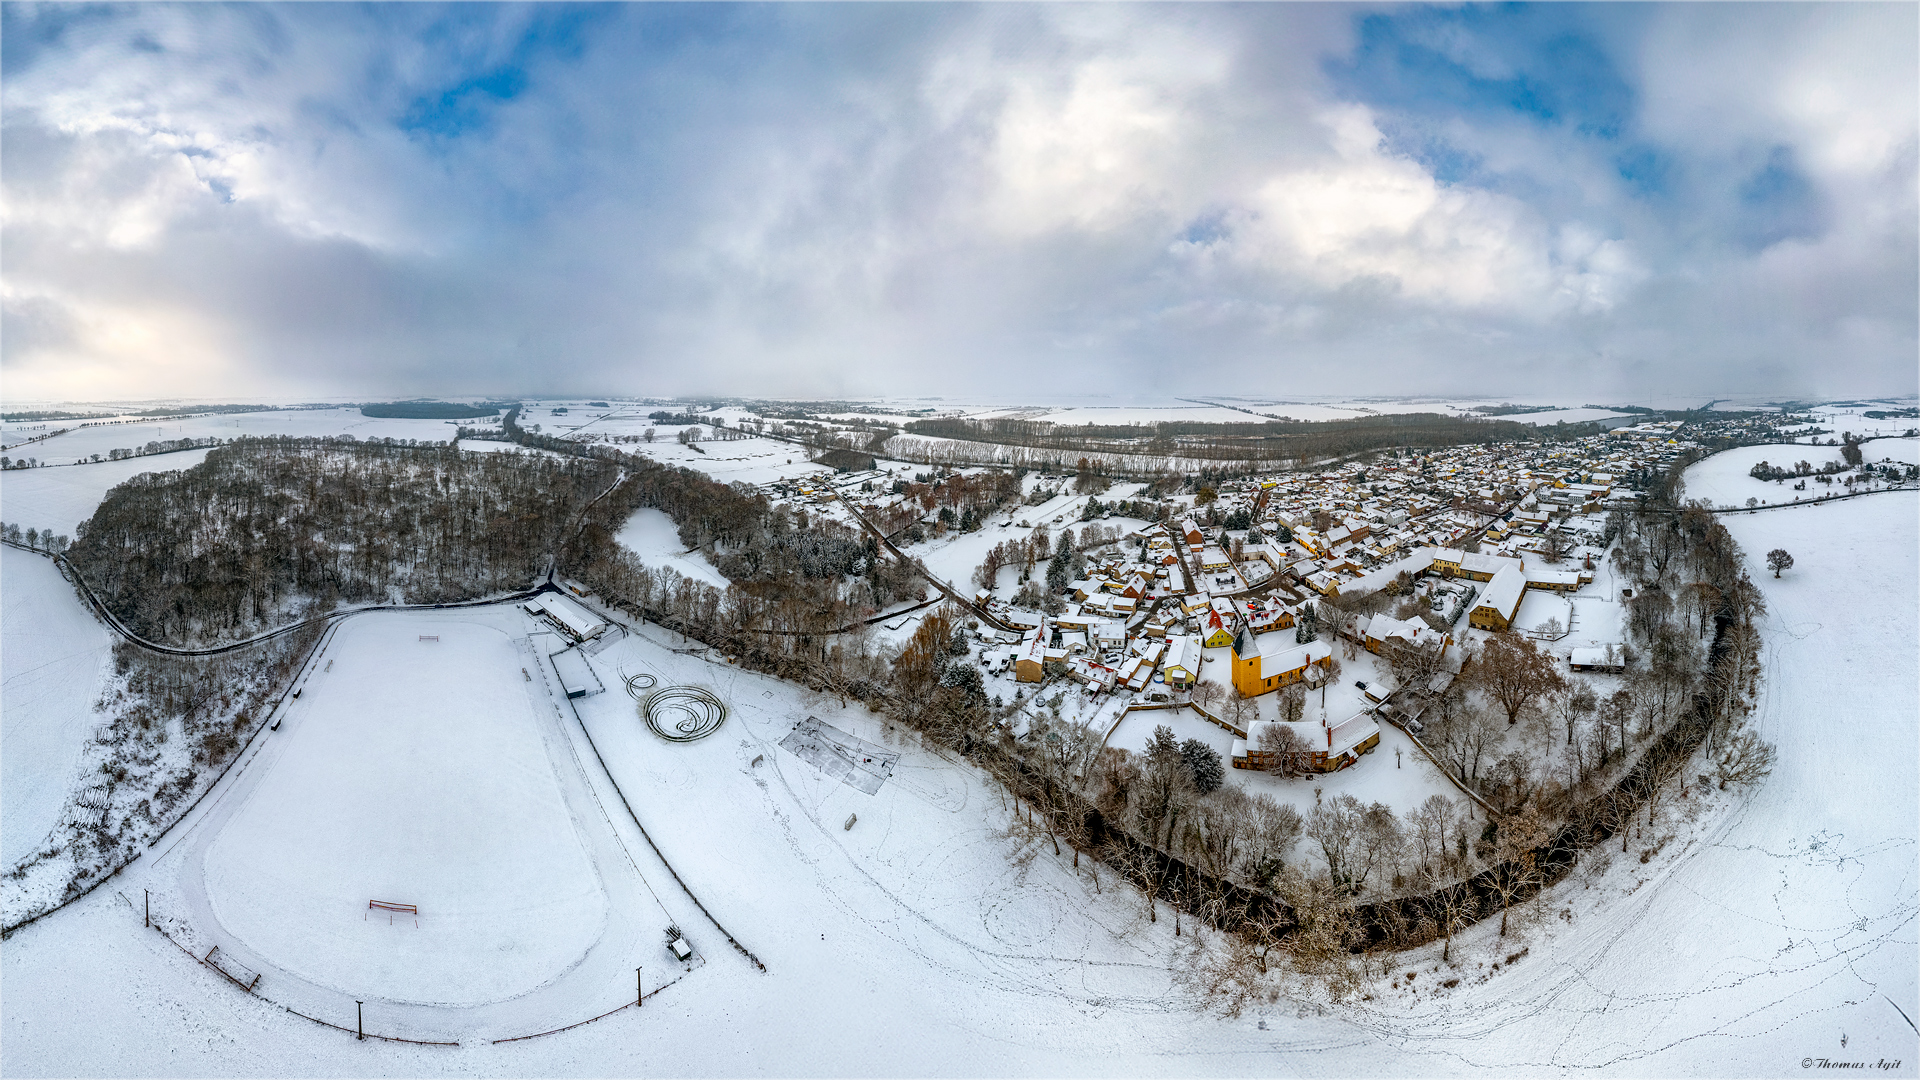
point(566, 614)
point(1030, 661)
point(1496, 607)
point(1593, 658)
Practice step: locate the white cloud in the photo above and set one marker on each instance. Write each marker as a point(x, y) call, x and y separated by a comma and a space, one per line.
point(920, 198)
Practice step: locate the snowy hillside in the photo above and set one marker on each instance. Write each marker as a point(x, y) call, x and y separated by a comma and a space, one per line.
point(924, 929)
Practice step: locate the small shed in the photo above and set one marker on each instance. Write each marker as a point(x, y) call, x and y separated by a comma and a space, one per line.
point(576, 675)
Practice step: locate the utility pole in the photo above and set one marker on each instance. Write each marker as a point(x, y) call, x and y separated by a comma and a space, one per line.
point(360, 1020)
point(639, 999)
point(149, 899)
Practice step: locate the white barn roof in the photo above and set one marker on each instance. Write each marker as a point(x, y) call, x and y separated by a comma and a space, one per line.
point(568, 614)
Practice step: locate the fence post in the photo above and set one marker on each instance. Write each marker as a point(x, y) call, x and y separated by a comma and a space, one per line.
point(639, 999)
point(360, 1020)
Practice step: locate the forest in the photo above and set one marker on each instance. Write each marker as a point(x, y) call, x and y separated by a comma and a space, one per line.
point(265, 530)
point(428, 410)
point(1254, 441)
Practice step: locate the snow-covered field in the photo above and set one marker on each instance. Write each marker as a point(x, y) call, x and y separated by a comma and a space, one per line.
point(55, 655)
point(932, 937)
point(452, 807)
point(61, 498)
point(653, 536)
point(83, 442)
point(1723, 481)
point(750, 461)
point(1896, 451)
point(1853, 419)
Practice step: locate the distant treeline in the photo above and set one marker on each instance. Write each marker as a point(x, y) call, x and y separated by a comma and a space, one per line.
point(1269, 440)
point(427, 410)
point(34, 416)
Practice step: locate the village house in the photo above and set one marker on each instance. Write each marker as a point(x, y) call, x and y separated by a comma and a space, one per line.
point(1182, 665)
point(1496, 607)
point(1217, 624)
point(1264, 664)
point(1329, 747)
point(1030, 661)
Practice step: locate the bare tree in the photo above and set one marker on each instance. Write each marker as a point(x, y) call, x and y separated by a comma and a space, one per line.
point(1743, 759)
point(1778, 560)
point(1450, 905)
point(1431, 820)
point(1287, 754)
point(1273, 830)
point(1462, 738)
point(1292, 701)
point(1325, 931)
point(1516, 868)
point(1558, 544)
point(1515, 673)
point(1574, 702)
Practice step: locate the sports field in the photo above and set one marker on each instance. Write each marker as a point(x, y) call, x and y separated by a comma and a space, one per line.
point(416, 772)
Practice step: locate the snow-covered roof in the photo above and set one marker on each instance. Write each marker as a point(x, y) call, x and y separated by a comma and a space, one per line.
point(570, 615)
point(1504, 592)
point(1276, 661)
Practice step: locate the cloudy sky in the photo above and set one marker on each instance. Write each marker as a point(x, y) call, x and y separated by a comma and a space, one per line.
point(1596, 202)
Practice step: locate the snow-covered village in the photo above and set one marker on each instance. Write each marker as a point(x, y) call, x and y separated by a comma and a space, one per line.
point(695, 540)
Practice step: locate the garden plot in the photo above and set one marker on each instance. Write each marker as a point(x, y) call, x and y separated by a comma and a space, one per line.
point(55, 656)
point(653, 536)
point(61, 498)
point(413, 772)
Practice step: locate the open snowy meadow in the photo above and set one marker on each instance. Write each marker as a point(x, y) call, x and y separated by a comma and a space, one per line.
point(55, 655)
point(61, 498)
point(80, 443)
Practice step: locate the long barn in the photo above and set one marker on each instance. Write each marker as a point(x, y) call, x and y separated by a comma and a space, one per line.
point(566, 614)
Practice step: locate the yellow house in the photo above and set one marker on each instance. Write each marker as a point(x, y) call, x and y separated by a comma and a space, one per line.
point(1216, 627)
point(1497, 606)
point(1030, 663)
point(1260, 667)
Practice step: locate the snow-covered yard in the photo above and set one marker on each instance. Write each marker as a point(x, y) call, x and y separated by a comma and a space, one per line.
point(1395, 772)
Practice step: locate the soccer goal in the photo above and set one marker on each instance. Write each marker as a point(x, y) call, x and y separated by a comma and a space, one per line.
point(430, 637)
point(393, 910)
